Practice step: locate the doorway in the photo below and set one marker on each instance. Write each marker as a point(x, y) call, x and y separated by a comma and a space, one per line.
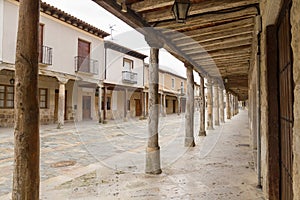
point(286, 101)
point(174, 106)
point(86, 107)
point(138, 108)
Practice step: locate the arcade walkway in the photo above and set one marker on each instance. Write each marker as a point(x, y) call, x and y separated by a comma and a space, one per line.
point(107, 162)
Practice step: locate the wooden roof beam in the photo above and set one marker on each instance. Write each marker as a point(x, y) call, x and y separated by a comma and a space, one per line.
point(209, 19)
point(202, 7)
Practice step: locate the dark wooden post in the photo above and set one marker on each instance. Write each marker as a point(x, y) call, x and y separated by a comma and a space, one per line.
point(26, 176)
point(202, 131)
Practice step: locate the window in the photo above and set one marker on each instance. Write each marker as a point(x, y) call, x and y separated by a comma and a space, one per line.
point(43, 96)
point(182, 87)
point(6, 96)
point(166, 103)
point(127, 64)
point(108, 103)
point(173, 83)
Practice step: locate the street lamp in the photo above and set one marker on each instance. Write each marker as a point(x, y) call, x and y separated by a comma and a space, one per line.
point(180, 10)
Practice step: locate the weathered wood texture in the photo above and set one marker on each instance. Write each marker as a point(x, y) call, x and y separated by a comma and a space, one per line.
point(273, 120)
point(189, 112)
point(26, 176)
point(153, 149)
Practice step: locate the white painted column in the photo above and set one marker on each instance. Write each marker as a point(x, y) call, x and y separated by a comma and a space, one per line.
point(61, 104)
point(189, 111)
point(210, 125)
point(222, 117)
point(153, 149)
point(202, 131)
point(216, 104)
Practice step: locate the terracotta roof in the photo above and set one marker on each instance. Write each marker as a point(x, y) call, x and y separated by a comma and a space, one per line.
point(65, 17)
point(125, 50)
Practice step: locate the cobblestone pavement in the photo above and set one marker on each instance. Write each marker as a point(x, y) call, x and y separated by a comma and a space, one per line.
point(90, 161)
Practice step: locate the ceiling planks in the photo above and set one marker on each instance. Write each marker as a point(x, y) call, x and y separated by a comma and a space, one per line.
point(218, 37)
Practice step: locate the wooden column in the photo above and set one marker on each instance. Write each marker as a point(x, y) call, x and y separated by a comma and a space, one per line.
point(142, 100)
point(178, 105)
point(189, 111)
point(100, 104)
point(221, 95)
point(202, 131)
point(228, 106)
point(105, 104)
point(61, 104)
point(232, 104)
point(164, 104)
point(153, 149)
point(216, 103)
point(26, 175)
point(210, 125)
point(125, 104)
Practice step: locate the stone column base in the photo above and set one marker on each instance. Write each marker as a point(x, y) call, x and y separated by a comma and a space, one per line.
point(153, 161)
point(189, 142)
point(60, 125)
point(202, 133)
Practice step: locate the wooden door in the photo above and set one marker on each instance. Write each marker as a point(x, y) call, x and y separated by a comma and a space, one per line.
point(86, 107)
point(83, 56)
point(138, 107)
point(286, 100)
point(41, 42)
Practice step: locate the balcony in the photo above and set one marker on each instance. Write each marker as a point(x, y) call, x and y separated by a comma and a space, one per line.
point(86, 65)
point(45, 56)
point(129, 77)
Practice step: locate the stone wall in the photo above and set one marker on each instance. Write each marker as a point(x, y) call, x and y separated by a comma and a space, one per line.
point(295, 22)
point(6, 117)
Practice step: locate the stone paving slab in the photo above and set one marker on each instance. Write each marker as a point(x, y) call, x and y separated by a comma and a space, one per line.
point(107, 162)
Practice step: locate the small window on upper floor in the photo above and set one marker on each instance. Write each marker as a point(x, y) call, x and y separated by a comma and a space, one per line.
point(127, 64)
point(173, 83)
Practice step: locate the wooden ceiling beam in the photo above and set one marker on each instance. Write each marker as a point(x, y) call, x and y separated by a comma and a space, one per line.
point(148, 5)
point(224, 55)
point(236, 50)
point(219, 37)
point(209, 19)
point(203, 7)
point(228, 27)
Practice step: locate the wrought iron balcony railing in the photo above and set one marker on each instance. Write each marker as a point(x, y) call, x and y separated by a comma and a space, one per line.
point(129, 77)
point(45, 55)
point(84, 64)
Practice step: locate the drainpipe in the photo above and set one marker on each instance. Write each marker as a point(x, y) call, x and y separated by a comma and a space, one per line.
point(259, 185)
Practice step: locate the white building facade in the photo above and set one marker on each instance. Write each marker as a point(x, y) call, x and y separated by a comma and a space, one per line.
point(70, 61)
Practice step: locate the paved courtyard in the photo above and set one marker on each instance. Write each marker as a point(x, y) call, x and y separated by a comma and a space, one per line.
point(90, 161)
